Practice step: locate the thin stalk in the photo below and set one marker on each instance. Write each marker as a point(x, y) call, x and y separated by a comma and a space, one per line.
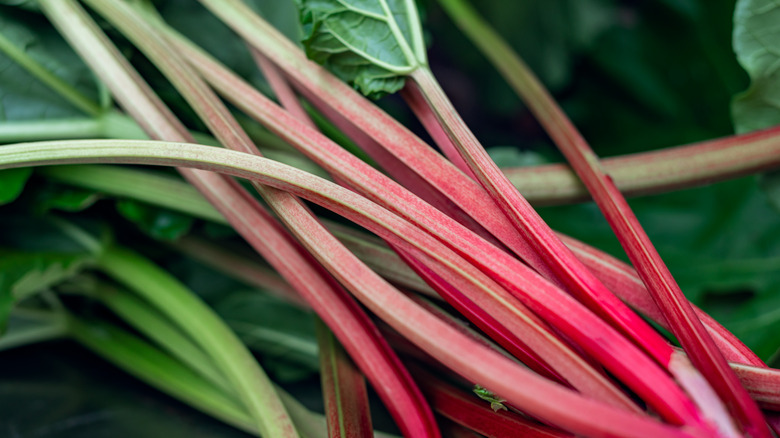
point(343, 389)
point(431, 123)
point(656, 171)
point(64, 89)
point(50, 326)
point(284, 93)
point(682, 319)
point(474, 361)
point(331, 302)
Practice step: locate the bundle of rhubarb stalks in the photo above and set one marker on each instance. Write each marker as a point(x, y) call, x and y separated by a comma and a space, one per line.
point(437, 283)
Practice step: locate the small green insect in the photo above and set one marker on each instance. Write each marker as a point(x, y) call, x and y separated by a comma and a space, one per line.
point(496, 403)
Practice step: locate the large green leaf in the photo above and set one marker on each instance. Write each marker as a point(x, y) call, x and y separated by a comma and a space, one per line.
point(158, 222)
point(372, 44)
point(23, 274)
point(24, 97)
point(757, 45)
point(12, 183)
point(58, 197)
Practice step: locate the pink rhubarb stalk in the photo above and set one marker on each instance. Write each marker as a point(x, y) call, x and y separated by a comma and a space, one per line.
point(332, 303)
point(679, 313)
point(531, 393)
point(377, 187)
point(326, 89)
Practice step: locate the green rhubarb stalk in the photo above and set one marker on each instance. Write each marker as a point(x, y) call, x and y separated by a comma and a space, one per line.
point(343, 389)
point(152, 187)
point(147, 320)
point(160, 370)
point(205, 328)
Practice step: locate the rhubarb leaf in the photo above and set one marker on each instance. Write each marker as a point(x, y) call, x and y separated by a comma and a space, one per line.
point(158, 222)
point(24, 274)
point(24, 97)
point(757, 45)
point(371, 44)
point(12, 183)
point(57, 197)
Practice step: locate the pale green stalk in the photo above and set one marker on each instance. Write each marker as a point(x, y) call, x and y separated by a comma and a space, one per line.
point(150, 322)
point(196, 319)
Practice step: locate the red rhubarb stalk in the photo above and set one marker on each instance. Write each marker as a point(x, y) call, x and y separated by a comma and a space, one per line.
point(679, 313)
point(469, 411)
point(364, 178)
point(331, 302)
point(533, 394)
point(360, 176)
